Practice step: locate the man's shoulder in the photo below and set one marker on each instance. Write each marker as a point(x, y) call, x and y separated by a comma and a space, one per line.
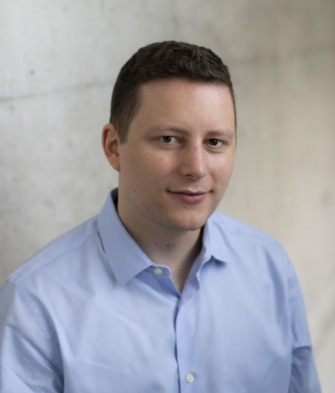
point(244, 234)
point(62, 248)
point(248, 248)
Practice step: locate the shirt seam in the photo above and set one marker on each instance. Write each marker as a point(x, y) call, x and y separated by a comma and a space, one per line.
point(11, 278)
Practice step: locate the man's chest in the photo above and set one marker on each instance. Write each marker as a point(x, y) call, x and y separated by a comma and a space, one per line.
point(230, 336)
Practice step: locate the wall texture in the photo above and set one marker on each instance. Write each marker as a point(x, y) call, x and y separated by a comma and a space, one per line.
point(58, 63)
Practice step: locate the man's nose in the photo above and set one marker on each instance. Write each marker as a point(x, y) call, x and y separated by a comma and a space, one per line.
point(193, 162)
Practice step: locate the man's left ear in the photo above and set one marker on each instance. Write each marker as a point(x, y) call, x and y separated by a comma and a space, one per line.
point(111, 143)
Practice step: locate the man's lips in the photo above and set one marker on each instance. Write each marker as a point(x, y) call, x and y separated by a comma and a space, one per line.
point(190, 196)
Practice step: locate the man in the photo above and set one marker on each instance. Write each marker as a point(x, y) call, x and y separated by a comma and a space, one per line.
point(158, 293)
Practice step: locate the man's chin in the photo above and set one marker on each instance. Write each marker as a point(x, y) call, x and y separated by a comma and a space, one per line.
point(183, 225)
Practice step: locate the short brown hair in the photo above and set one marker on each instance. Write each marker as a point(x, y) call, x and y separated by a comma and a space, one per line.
point(163, 60)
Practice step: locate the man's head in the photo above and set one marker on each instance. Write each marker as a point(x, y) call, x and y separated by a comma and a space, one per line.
point(162, 61)
point(171, 137)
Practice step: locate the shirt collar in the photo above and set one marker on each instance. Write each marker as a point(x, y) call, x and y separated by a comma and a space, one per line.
point(125, 256)
point(215, 242)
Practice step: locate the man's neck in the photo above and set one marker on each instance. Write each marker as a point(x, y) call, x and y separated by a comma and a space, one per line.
point(177, 252)
point(174, 249)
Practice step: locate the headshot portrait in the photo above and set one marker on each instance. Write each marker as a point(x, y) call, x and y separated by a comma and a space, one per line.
point(167, 204)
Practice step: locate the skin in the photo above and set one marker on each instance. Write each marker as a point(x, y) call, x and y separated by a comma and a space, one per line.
point(174, 168)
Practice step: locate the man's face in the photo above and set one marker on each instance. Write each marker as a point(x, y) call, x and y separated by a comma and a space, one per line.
point(178, 158)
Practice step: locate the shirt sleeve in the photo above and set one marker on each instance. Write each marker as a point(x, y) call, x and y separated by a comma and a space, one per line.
point(27, 363)
point(304, 377)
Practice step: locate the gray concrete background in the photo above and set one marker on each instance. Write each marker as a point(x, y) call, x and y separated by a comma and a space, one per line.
point(58, 63)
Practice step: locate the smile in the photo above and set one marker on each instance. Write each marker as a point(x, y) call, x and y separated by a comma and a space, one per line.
point(189, 197)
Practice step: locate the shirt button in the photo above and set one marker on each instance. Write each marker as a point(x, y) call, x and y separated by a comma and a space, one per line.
point(158, 271)
point(189, 378)
point(181, 307)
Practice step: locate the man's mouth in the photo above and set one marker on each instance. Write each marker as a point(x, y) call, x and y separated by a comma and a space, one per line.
point(188, 196)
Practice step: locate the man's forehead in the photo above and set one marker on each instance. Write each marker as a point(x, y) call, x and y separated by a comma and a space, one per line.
point(185, 93)
point(167, 88)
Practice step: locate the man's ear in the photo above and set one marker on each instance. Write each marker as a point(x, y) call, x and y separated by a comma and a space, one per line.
point(111, 145)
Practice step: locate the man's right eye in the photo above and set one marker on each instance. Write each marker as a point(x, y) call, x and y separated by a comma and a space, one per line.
point(167, 139)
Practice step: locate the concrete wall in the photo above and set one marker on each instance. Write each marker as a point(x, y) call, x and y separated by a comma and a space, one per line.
point(58, 63)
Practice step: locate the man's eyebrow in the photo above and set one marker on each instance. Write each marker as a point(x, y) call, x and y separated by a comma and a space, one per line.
point(223, 133)
point(168, 128)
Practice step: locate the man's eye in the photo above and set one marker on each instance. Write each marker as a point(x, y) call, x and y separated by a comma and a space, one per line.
point(167, 139)
point(214, 142)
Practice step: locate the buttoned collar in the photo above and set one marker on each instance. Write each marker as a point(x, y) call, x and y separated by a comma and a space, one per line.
point(125, 256)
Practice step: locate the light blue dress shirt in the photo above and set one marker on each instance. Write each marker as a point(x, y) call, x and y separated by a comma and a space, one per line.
point(90, 313)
